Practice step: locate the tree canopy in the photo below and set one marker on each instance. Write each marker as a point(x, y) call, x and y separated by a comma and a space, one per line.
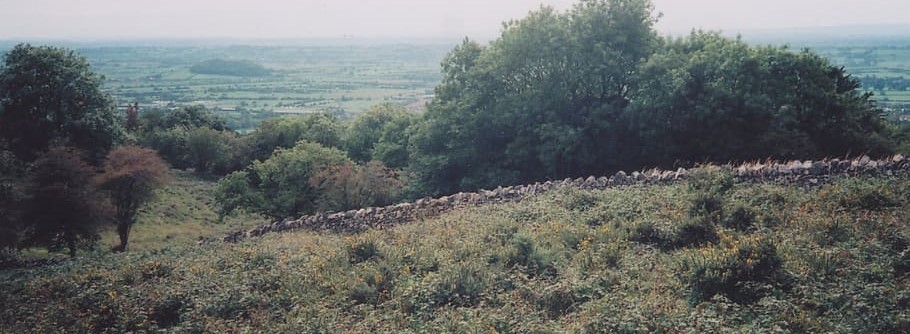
point(131, 175)
point(594, 89)
point(49, 95)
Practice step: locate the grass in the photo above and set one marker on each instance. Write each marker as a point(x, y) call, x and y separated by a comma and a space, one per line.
point(181, 213)
point(829, 259)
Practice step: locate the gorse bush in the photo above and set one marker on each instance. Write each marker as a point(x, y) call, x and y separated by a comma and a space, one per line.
point(530, 257)
point(864, 193)
point(736, 268)
point(707, 207)
point(741, 219)
point(710, 180)
point(363, 250)
point(695, 232)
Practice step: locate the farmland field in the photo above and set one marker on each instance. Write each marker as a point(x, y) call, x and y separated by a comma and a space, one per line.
point(884, 70)
point(334, 77)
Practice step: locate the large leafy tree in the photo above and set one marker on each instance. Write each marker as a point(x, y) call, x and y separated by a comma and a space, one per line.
point(710, 98)
point(131, 175)
point(48, 96)
point(545, 100)
point(65, 210)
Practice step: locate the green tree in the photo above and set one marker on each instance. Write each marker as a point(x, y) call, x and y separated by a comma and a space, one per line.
point(710, 98)
point(380, 134)
point(206, 148)
point(131, 175)
point(64, 210)
point(285, 132)
point(48, 96)
point(280, 186)
point(544, 100)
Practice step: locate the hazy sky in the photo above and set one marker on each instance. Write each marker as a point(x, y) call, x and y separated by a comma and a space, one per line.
point(116, 19)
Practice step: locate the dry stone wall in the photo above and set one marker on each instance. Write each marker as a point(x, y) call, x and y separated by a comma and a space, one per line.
point(804, 173)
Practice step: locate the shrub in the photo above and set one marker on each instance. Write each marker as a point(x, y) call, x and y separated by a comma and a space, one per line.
point(167, 312)
point(362, 251)
point(710, 180)
point(695, 232)
point(707, 206)
point(373, 283)
point(528, 256)
point(741, 219)
point(461, 284)
point(576, 199)
point(737, 269)
point(863, 194)
point(560, 299)
point(647, 233)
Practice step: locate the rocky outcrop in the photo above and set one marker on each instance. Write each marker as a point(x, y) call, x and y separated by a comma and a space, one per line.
point(803, 173)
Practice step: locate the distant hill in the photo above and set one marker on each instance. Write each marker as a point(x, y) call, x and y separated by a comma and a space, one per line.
point(238, 68)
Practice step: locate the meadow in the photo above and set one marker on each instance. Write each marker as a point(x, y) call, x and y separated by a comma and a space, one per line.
point(339, 78)
point(709, 255)
point(890, 62)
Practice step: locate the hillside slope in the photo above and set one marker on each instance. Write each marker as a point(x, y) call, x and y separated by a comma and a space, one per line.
point(707, 255)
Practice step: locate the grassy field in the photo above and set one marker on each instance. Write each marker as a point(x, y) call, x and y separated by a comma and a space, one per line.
point(181, 213)
point(699, 257)
point(341, 75)
point(885, 61)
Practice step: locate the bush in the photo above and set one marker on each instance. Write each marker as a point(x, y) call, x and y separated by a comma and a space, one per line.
point(695, 232)
point(362, 251)
point(461, 285)
point(528, 256)
point(373, 283)
point(709, 207)
point(737, 269)
point(647, 233)
point(710, 180)
point(863, 194)
point(559, 300)
point(741, 219)
point(167, 312)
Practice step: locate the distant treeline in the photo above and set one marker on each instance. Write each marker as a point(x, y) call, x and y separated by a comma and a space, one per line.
point(239, 68)
point(881, 83)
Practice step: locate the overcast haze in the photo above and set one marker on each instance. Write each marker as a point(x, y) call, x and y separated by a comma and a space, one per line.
point(108, 19)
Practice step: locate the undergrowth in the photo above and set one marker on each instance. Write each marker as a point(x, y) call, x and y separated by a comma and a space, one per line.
point(708, 256)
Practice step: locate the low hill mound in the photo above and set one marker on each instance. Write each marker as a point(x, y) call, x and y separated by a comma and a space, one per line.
point(705, 255)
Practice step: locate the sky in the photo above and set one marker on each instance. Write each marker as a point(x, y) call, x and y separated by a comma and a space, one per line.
point(281, 19)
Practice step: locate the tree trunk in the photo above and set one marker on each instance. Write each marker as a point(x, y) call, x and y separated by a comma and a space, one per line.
point(71, 244)
point(123, 230)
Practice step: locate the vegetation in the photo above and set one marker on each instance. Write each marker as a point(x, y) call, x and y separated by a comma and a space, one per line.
point(239, 68)
point(65, 209)
point(583, 92)
point(131, 175)
point(816, 260)
point(280, 187)
point(594, 90)
point(49, 96)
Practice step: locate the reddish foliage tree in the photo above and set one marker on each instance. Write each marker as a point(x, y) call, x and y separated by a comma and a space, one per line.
point(350, 186)
point(131, 175)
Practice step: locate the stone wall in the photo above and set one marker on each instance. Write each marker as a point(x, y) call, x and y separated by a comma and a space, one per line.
point(804, 173)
